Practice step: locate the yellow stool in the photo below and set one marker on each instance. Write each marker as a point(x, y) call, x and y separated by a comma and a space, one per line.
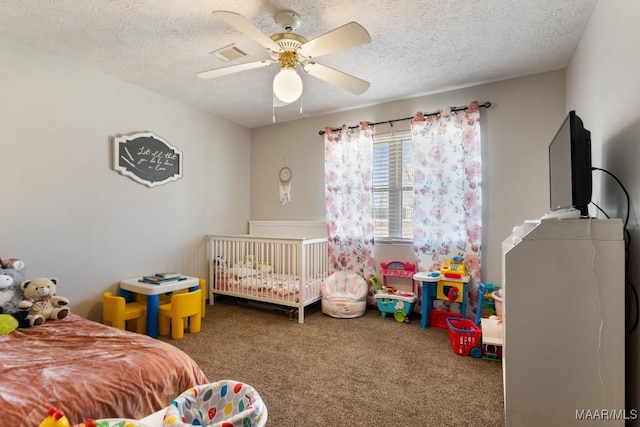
point(203, 288)
point(186, 305)
point(116, 311)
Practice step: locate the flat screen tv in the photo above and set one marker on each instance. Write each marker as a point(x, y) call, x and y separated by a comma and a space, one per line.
point(570, 166)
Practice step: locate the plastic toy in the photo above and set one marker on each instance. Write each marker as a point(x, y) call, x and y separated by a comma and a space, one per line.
point(466, 336)
point(453, 268)
point(398, 304)
point(487, 305)
point(492, 338)
point(56, 418)
point(436, 288)
point(397, 269)
point(452, 295)
point(375, 283)
point(491, 329)
point(449, 290)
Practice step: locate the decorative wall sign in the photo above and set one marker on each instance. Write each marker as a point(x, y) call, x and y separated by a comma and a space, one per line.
point(147, 159)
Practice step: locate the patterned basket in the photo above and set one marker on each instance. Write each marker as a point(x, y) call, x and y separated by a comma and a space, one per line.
point(221, 404)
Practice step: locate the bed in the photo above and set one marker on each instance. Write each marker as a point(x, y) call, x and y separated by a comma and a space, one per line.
point(88, 370)
point(285, 272)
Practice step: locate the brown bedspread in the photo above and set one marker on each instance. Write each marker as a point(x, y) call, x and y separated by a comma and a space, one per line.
point(88, 370)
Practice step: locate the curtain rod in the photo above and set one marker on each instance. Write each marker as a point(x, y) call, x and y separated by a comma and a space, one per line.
point(453, 109)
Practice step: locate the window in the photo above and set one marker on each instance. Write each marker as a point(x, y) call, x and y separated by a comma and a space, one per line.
point(393, 186)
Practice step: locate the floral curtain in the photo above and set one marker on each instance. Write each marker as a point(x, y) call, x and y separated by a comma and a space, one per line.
point(348, 198)
point(447, 189)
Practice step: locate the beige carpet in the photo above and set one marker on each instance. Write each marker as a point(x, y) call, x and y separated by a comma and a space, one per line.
point(367, 371)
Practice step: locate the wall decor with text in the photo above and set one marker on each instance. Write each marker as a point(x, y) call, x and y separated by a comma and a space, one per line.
point(147, 158)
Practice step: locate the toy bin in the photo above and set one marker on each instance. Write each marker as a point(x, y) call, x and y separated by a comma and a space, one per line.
point(223, 403)
point(465, 337)
point(396, 304)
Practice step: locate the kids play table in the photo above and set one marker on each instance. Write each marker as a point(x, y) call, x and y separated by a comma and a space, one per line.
point(135, 286)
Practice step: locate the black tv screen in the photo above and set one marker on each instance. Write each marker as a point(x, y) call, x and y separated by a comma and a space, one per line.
point(570, 166)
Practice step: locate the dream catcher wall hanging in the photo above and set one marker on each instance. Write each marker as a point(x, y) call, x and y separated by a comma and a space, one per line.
point(285, 185)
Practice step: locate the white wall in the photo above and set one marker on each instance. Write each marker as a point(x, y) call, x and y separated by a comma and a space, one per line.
point(516, 131)
point(69, 215)
point(604, 89)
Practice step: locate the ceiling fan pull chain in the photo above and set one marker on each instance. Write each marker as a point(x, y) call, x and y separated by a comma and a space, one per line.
point(301, 103)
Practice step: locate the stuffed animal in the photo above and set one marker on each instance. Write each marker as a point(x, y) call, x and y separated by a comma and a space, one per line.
point(10, 292)
point(42, 301)
point(11, 279)
point(8, 324)
point(14, 263)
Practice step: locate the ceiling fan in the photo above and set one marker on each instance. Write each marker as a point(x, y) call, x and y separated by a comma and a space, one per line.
point(291, 50)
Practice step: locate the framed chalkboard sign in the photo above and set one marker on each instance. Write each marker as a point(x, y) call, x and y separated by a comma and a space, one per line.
point(146, 158)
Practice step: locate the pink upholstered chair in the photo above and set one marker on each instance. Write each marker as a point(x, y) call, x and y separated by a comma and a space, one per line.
point(344, 295)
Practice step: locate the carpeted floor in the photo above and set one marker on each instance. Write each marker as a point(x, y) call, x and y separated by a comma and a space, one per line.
point(367, 371)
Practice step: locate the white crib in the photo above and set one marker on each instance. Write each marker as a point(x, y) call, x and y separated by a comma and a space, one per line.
point(287, 272)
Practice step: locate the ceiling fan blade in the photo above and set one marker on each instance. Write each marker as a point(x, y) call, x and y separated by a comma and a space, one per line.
point(349, 35)
point(247, 28)
point(337, 78)
point(234, 69)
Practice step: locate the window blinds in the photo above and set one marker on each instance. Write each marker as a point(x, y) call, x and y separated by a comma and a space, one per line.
point(393, 185)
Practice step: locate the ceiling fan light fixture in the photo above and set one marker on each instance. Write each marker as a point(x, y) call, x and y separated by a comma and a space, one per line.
point(287, 85)
point(277, 102)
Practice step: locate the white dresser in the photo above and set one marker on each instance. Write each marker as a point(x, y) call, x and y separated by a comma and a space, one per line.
point(564, 323)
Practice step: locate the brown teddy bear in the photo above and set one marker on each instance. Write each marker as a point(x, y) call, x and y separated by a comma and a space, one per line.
point(42, 301)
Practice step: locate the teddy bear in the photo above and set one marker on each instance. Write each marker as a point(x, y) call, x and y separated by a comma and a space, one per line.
point(42, 302)
point(11, 278)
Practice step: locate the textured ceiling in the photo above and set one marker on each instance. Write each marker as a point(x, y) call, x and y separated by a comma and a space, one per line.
point(417, 47)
